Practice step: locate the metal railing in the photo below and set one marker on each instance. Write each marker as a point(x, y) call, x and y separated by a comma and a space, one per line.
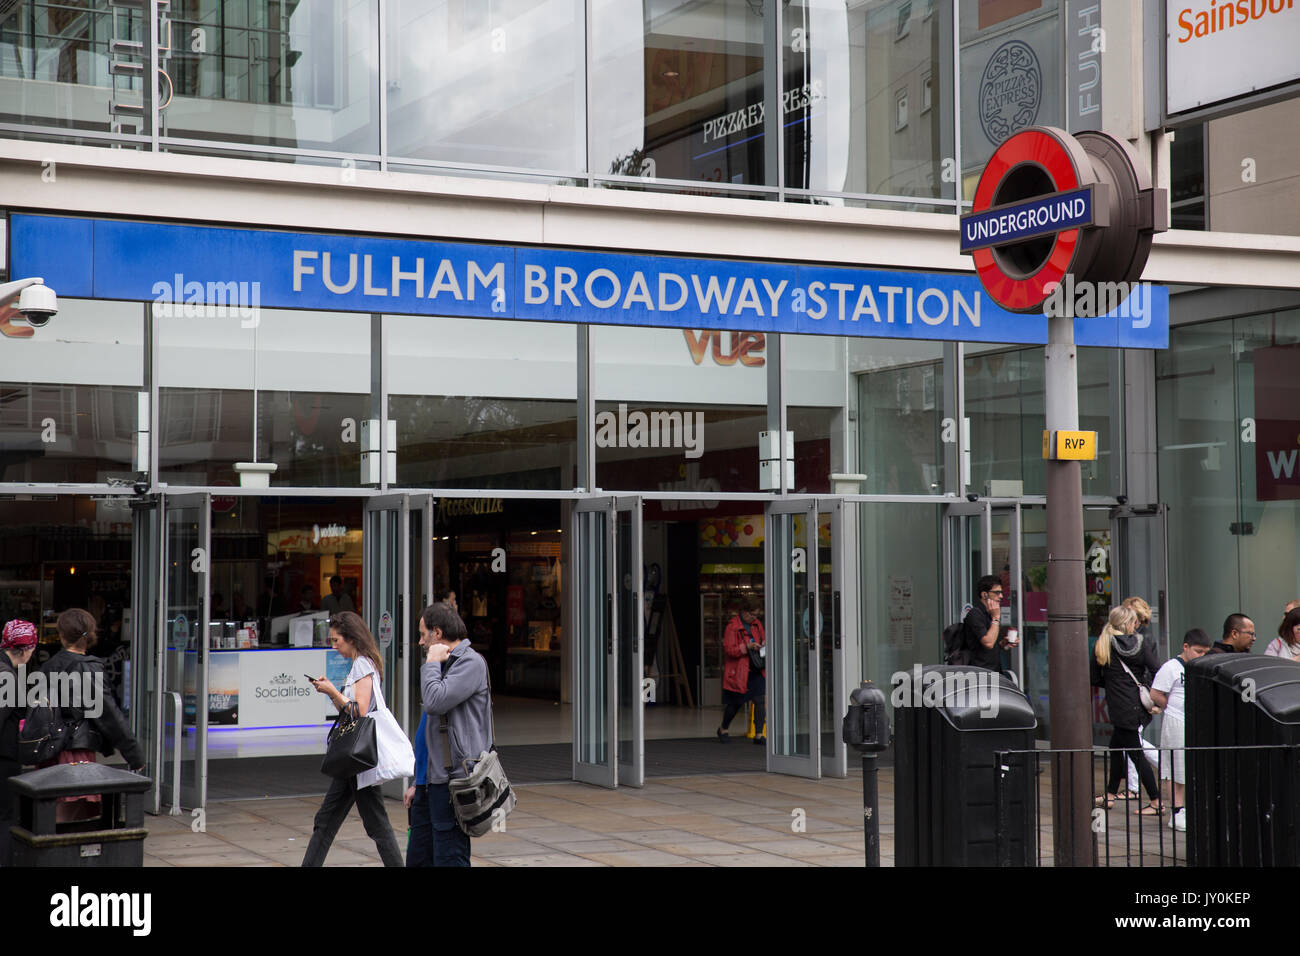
point(1241, 807)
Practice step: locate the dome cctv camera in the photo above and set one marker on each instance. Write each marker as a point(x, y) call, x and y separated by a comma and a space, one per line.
point(36, 301)
point(38, 304)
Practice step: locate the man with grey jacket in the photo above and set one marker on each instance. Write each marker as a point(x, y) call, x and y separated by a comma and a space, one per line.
point(454, 687)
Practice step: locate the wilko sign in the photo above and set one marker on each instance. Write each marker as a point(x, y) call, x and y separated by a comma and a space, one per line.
point(1051, 207)
point(1277, 424)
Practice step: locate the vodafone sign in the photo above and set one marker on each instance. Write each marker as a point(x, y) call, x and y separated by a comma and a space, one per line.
point(1215, 51)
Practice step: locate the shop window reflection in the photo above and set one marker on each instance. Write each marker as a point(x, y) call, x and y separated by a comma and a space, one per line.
point(677, 93)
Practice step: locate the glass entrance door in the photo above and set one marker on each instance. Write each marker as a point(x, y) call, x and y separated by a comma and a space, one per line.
point(629, 642)
point(967, 554)
point(608, 658)
point(832, 562)
point(1139, 564)
point(595, 677)
point(386, 544)
point(793, 625)
point(186, 563)
point(148, 648)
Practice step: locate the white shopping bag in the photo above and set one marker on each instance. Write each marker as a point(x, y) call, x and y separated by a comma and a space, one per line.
point(396, 755)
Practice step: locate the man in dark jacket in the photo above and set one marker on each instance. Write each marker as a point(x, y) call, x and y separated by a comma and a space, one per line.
point(1238, 635)
point(16, 647)
point(980, 629)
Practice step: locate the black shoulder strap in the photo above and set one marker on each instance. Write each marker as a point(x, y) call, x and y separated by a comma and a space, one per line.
point(442, 720)
point(442, 728)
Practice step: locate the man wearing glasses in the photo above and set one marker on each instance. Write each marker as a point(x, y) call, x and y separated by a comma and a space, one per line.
point(980, 628)
point(1238, 635)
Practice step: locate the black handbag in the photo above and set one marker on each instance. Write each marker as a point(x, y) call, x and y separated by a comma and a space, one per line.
point(756, 657)
point(351, 746)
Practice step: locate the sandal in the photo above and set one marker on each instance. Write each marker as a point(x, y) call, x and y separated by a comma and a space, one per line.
point(1106, 800)
point(1152, 810)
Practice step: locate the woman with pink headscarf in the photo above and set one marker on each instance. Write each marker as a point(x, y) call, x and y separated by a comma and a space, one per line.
point(16, 648)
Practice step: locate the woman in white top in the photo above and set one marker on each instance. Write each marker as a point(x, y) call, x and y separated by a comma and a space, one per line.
point(1287, 642)
point(352, 639)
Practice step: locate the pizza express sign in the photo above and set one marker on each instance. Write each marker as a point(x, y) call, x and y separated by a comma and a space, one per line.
point(1063, 224)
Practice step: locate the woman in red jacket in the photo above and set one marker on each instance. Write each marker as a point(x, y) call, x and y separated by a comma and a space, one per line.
point(741, 682)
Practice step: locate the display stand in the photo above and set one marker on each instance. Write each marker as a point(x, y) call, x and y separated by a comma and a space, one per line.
point(672, 665)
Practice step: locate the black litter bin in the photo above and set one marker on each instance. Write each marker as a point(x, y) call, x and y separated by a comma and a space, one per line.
point(1241, 799)
point(115, 838)
point(945, 812)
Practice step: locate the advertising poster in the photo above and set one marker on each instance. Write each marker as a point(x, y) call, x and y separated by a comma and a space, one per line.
point(901, 612)
point(1277, 424)
point(273, 690)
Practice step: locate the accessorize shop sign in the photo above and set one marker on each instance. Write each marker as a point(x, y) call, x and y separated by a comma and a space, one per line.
point(244, 270)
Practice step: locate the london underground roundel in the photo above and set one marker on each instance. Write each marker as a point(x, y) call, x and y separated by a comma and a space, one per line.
point(1053, 209)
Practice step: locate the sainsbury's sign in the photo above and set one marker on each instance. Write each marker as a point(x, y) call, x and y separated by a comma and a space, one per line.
point(110, 259)
point(1215, 51)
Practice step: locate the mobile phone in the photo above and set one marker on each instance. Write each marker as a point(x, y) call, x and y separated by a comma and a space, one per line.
point(312, 679)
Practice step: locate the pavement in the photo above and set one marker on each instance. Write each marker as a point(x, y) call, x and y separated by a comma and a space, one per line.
point(733, 819)
point(726, 819)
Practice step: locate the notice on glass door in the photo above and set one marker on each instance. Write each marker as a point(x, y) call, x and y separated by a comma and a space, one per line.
point(901, 612)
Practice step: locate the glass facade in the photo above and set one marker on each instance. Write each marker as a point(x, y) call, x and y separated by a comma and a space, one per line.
point(69, 409)
point(1229, 416)
point(1005, 405)
point(483, 404)
point(287, 387)
point(672, 93)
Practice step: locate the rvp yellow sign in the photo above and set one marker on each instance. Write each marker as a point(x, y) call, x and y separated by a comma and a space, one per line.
point(1070, 446)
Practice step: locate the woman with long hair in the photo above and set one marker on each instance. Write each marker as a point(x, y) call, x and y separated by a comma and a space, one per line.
point(1123, 659)
point(1287, 642)
point(362, 690)
point(78, 633)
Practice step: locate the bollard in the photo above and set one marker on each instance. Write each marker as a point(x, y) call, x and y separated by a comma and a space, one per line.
point(866, 729)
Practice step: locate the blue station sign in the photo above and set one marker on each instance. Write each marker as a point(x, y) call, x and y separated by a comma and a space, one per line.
point(207, 266)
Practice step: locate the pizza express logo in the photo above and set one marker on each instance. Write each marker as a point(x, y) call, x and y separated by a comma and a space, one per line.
point(1011, 91)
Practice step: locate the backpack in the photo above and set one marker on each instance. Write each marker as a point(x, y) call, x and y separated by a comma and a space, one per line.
point(43, 735)
point(954, 647)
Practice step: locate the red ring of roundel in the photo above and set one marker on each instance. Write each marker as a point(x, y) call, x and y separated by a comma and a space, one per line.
point(1029, 146)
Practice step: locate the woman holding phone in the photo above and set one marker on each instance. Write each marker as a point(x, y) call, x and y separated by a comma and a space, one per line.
point(351, 638)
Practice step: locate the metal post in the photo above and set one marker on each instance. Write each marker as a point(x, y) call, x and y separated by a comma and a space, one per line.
point(1067, 619)
point(871, 809)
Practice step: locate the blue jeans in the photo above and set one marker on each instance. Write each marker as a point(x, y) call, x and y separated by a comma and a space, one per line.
point(419, 845)
point(450, 842)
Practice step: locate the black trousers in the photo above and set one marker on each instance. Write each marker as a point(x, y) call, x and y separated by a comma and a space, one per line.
point(7, 807)
point(333, 811)
point(755, 690)
point(1125, 744)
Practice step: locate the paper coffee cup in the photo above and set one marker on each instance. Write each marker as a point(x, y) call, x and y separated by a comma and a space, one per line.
point(1013, 636)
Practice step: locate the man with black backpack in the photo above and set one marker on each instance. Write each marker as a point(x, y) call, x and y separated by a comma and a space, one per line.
point(980, 637)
